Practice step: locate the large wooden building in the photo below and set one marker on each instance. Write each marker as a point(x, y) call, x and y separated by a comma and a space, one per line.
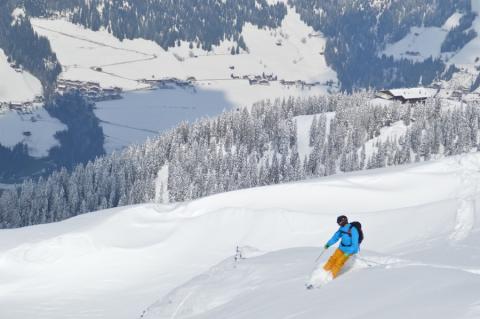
point(410, 95)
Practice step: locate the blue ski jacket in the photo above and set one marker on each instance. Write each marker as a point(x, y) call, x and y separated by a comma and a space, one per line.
point(349, 242)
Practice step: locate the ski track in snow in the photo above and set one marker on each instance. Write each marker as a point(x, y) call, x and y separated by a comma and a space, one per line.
point(469, 175)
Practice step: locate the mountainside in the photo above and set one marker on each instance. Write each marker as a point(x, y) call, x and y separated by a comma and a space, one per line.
point(224, 55)
point(426, 263)
point(289, 130)
point(275, 143)
point(357, 32)
point(24, 48)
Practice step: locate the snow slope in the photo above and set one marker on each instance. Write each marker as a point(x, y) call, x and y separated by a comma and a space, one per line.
point(420, 44)
point(17, 86)
point(36, 129)
point(115, 263)
point(272, 286)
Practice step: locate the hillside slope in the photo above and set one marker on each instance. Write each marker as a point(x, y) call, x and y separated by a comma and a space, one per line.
point(375, 286)
point(115, 263)
point(21, 85)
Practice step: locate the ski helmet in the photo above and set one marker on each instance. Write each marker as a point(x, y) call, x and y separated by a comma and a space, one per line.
point(342, 220)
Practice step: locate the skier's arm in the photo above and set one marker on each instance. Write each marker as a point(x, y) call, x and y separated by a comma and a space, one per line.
point(334, 239)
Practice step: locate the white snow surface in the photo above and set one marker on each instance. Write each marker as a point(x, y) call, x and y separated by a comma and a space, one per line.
point(420, 44)
point(178, 258)
point(36, 129)
point(17, 86)
point(453, 21)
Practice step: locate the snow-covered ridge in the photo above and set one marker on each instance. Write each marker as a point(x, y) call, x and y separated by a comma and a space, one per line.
point(86, 267)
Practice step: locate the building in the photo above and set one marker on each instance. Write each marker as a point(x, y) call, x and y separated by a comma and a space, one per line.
point(410, 95)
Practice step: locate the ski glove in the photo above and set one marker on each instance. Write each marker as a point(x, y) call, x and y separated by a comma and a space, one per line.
point(326, 246)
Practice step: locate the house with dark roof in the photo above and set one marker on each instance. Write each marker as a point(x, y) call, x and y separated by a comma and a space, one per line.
point(407, 95)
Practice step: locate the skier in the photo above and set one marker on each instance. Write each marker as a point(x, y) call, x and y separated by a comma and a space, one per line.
point(349, 245)
point(351, 236)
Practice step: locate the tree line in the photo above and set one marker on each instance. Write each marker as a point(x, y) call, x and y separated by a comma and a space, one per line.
point(247, 148)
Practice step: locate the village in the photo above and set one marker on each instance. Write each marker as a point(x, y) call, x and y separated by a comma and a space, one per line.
point(169, 83)
point(23, 107)
point(91, 90)
point(266, 79)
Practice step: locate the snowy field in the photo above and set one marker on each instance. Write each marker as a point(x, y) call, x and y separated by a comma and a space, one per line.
point(36, 129)
point(17, 86)
point(292, 52)
point(420, 44)
point(420, 257)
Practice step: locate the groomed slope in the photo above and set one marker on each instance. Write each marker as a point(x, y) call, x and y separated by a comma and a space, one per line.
point(116, 263)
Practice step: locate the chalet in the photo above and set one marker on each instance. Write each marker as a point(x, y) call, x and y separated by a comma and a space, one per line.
point(287, 82)
point(410, 95)
point(457, 94)
point(109, 90)
point(16, 106)
point(94, 89)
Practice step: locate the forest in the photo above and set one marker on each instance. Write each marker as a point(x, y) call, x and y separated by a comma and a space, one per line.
point(247, 148)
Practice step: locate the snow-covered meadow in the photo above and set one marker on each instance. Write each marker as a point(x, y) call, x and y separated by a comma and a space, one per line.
point(292, 52)
point(35, 128)
point(419, 258)
point(16, 85)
